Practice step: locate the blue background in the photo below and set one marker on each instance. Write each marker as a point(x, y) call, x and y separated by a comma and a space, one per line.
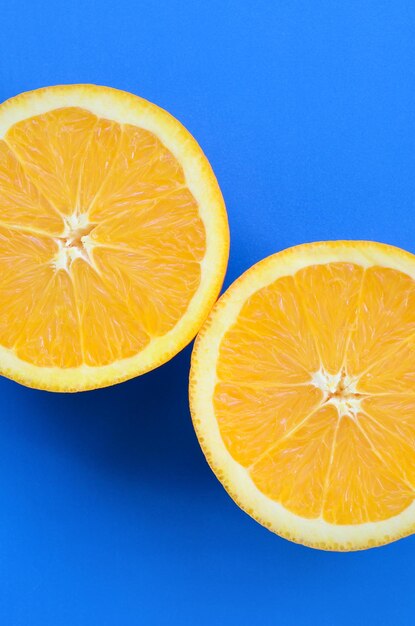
point(109, 514)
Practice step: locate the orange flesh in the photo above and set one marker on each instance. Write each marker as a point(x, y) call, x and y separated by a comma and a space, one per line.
point(346, 455)
point(67, 177)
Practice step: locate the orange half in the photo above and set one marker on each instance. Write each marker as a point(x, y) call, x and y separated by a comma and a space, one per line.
point(113, 237)
point(302, 393)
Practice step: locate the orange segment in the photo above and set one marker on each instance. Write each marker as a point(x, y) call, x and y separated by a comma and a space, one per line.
point(397, 453)
point(294, 470)
point(110, 331)
point(26, 272)
point(113, 237)
point(362, 486)
point(103, 147)
point(394, 372)
point(51, 148)
point(21, 252)
point(386, 317)
point(142, 170)
point(156, 288)
point(170, 226)
point(52, 341)
point(322, 288)
point(249, 417)
point(302, 393)
point(21, 203)
point(269, 348)
point(395, 413)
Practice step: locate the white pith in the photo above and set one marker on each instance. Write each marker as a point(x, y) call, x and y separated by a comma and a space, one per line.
point(72, 244)
point(340, 390)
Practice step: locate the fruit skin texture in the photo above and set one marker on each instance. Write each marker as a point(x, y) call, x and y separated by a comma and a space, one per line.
point(234, 478)
point(126, 108)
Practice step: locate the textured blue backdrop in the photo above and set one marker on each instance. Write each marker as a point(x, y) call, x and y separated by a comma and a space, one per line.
point(109, 514)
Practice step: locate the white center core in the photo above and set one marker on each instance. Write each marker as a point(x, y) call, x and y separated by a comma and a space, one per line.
point(340, 390)
point(75, 242)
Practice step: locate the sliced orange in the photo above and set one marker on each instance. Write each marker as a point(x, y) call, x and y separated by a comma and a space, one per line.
point(113, 237)
point(302, 393)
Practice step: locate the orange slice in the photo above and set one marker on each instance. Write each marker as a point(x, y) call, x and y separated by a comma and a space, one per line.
point(302, 393)
point(113, 237)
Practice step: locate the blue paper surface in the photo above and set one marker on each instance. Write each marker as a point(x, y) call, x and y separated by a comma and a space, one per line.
point(109, 514)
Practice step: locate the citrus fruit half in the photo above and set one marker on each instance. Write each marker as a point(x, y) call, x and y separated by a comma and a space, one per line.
point(113, 237)
point(302, 393)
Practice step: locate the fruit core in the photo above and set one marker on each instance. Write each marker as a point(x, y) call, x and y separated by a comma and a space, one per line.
point(75, 242)
point(340, 389)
